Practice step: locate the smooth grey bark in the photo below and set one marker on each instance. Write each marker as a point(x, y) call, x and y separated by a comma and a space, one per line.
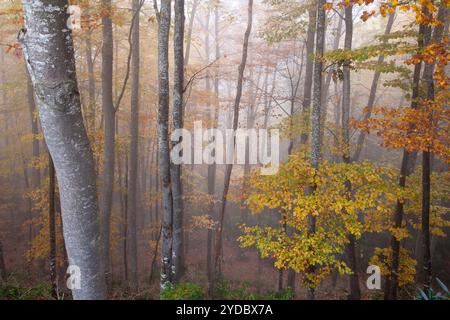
point(355, 292)
point(163, 16)
point(134, 143)
point(372, 94)
point(310, 33)
point(177, 118)
point(316, 144)
point(229, 167)
point(48, 49)
point(109, 133)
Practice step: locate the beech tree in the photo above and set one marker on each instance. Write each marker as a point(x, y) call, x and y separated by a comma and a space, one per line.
point(48, 50)
point(163, 16)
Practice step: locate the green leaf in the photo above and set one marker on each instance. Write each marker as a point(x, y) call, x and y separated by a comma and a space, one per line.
point(442, 285)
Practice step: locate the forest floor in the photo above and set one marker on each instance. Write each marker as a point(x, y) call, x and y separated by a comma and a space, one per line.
point(244, 273)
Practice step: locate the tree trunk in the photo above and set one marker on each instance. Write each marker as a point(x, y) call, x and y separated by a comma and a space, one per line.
point(212, 167)
point(391, 284)
point(326, 86)
point(134, 143)
point(310, 33)
point(123, 182)
point(177, 118)
point(316, 153)
point(49, 54)
point(163, 141)
point(229, 167)
point(109, 134)
point(428, 74)
point(355, 292)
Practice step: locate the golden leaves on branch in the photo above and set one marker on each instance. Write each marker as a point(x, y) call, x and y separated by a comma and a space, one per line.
point(373, 194)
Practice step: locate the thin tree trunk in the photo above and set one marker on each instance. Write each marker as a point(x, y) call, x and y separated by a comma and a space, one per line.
point(326, 87)
point(310, 33)
point(123, 182)
point(426, 155)
point(213, 168)
point(391, 284)
point(134, 143)
point(229, 167)
point(355, 292)
point(316, 153)
point(163, 141)
point(51, 65)
point(109, 134)
point(177, 118)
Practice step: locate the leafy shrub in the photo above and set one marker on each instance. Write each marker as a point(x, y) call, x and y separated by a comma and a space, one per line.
point(183, 291)
point(14, 288)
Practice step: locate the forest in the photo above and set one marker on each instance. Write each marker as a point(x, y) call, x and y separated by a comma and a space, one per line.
point(224, 150)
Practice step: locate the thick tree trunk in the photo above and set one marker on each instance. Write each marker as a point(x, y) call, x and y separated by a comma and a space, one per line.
point(229, 167)
point(134, 143)
point(316, 152)
point(177, 118)
point(49, 53)
point(163, 142)
point(109, 134)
